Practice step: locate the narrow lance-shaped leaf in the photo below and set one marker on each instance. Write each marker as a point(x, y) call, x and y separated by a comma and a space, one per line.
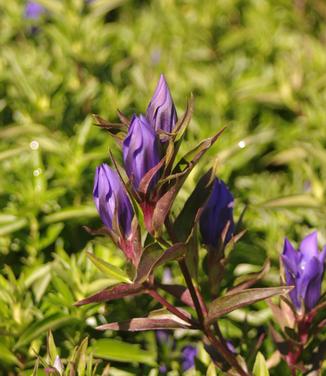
point(112, 293)
point(108, 269)
point(260, 366)
point(153, 256)
point(145, 323)
point(182, 293)
point(186, 218)
point(52, 322)
point(179, 131)
point(182, 170)
point(250, 279)
point(148, 177)
point(113, 349)
point(51, 347)
point(193, 156)
point(229, 303)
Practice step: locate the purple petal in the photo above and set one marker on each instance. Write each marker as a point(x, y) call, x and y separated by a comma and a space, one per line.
point(309, 283)
point(111, 199)
point(161, 112)
point(140, 150)
point(33, 10)
point(218, 212)
point(309, 247)
point(188, 357)
point(290, 257)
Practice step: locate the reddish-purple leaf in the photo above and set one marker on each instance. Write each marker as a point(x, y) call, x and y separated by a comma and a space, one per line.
point(163, 207)
point(251, 279)
point(123, 118)
point(148, 177)
point(229, 303)
point(190, 159)
point(188, 216)
point(183, 294)
point(153, 256)
point(112, 293)
point(145, 323)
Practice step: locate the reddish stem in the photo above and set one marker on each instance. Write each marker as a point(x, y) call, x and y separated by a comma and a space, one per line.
point(159, 298)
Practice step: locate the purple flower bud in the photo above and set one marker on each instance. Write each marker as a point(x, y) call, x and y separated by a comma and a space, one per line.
point(217, 213)
point(188, 357)
point(161, 112)
point(304, 269)
point(112, 201)
point(33, 10)
point(140, 150)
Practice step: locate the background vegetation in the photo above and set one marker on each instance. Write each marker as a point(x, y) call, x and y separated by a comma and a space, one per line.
point(257, 67)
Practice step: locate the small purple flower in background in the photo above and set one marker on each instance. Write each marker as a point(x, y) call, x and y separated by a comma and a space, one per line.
point(217, 213)
point(33, 10)
point(140, 150)
point(162, 336)
point(230, 347)
point(111, 200)
point(304, 269)
point(188, 357)
point(161, 112)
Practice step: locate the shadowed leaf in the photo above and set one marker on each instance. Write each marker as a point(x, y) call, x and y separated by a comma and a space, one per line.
point(251, 279)
point(186, 218)
point(153, 256)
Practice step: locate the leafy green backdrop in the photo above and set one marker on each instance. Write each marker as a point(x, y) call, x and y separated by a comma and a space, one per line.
point(257, 67)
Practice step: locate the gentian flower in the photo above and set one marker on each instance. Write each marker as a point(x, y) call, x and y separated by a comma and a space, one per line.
point(140, 150)
point(112, 201)
point(161, 112)
point(188, 357)
point(217, 213)
point(304, 269)
point(33, 10)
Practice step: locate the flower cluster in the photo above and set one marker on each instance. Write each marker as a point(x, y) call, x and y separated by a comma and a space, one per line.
point(143, 150)
point(135, 203)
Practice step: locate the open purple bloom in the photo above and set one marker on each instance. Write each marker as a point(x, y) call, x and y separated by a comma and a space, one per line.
point(217, 213)
point(161, 112)
point(304, 269)
point(33, 10)
point(111, 200)
point(140, 150)
point(188, 357)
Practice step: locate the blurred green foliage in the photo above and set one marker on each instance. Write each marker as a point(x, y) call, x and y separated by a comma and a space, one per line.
point(257, 67)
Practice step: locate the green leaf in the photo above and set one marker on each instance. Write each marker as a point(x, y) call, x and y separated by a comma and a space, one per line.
point(12, 227)
point(229, 303)
point(40, 327)
point(52, 349)
point(293, 201)
point(6, 356)
point(71, 213)
point(113, 349)
point(260, 366)
point(80, 357)
point(108, 269)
